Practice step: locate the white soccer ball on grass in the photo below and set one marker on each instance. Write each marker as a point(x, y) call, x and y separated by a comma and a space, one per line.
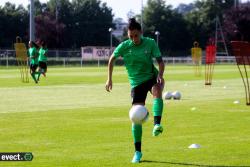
point(167, 95)
point(176, 95)
point(138, 114)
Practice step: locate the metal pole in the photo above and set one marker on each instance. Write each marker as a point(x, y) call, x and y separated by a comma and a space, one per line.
point(7, 59)
point(142, 15)
point(111, 40)
point(57, 38)
point(32, 23)
point(157, 33)
point(158, 40)
point(56, 10)
point(237, 3)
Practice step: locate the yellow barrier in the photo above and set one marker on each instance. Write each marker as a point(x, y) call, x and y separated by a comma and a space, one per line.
point(196, 53)
point(22, 59)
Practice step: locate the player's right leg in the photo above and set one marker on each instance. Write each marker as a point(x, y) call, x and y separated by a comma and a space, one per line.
point(38, 73)
point(138, 95)
point(42, 69)
point(137, 136)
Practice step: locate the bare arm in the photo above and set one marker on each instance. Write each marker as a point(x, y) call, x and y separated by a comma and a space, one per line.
point(109, 83)
point(160, 78)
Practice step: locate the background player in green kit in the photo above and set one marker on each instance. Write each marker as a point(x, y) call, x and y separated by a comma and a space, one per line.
point(138, 53)
point(33, 54)
point(42, 59)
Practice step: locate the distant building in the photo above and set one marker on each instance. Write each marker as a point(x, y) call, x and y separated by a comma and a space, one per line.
point(120, 27)
point(185, 8)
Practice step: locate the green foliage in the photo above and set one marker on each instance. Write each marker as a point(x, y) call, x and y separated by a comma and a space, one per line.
point(13, 20)
point(240, 19)
point(50, 30)
point(63, 24)
point(76, 23)
point(201, 20)
point(170, 24)
point(91, 20)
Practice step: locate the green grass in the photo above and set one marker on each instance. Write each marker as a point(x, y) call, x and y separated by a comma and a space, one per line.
point(69, 120)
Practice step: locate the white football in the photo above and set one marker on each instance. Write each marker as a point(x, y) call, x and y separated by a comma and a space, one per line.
point(138, 114)
point(167, 95)
point(176, 95)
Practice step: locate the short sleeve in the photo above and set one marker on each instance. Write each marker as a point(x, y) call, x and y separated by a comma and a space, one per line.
point(155, 50)
point(119, 50)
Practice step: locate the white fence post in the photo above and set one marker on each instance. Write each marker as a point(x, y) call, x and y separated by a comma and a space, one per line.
point(74, 57)
point(7, 60)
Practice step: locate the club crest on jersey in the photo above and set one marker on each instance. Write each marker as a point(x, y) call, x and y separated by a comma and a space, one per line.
point(146, 51)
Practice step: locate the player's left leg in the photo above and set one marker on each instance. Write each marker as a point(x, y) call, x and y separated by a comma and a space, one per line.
point(44, 69)
point(157, 108)
point(32, 72)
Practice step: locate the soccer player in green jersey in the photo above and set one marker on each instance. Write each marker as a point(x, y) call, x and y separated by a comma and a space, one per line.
point(138, 53)
point(42, 59)
point(33, 54)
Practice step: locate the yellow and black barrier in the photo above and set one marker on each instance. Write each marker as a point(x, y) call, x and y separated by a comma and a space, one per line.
point(22, 59)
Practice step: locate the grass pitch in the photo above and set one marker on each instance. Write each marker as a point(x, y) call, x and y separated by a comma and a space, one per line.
point(68, 119)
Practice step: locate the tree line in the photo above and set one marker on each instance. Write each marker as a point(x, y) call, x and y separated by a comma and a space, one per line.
point(76, 23)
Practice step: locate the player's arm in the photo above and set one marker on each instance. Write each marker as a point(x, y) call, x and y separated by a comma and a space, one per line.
point(29, 54)
point(34, 54)
point(157, 54)
point(46, 53)
point(160, 78)
point(110, 72)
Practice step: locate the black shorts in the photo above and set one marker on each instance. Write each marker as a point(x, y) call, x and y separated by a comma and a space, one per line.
point(43, 65)
point(139, 93)
point(33, 67)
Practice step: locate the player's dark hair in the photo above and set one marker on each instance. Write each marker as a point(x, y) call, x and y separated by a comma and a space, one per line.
point(34, 44)
point(133, 24)
point(43, 43)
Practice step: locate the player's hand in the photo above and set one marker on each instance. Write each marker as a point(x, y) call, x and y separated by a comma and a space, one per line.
point(161, 81)
point(109, 85)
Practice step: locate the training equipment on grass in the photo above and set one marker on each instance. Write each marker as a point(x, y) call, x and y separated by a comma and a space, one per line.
point(138, 114)
point(196, 58)
point(236, 102)
point(241, 51)
point(22, 59)
point(176, 95)
point(210, 60)
point(193, 108)
point(194, 146)
point(167, 95)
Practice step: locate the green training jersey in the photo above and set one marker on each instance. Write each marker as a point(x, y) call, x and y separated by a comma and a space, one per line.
point(43, 54)
point(138, 59)
point(33, 55)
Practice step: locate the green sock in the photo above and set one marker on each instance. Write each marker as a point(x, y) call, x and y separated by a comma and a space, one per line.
point(33, 76)
point(38, 75)
point(137, 132)
point(157, 106)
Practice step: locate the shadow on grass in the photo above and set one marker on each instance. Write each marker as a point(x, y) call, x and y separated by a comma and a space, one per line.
point(187, 164)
